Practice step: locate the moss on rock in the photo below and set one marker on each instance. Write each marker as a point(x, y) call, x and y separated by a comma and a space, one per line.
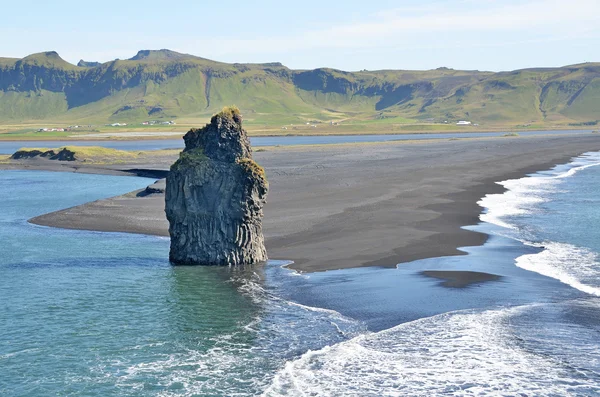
point(189, 158)
point(250, 166)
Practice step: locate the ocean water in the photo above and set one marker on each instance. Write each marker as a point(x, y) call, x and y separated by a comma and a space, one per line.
point(557, 211)
point(103, 314)
point(534, 333)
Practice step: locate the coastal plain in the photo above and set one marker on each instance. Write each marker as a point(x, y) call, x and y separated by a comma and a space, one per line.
point(345, 206)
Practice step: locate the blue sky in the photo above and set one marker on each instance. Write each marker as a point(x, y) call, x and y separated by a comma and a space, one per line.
point(349, 35)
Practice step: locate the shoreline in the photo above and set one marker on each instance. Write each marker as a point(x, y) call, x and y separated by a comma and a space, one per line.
point(328, 217)
point(141, 170)
point(169, 135)
point(457, 300)
point(450, 240)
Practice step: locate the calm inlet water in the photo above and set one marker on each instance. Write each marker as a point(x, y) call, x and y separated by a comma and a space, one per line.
point(104, 314)
point(8, 147)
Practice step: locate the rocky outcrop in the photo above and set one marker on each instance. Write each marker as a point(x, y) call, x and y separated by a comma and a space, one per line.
point(215, 195)
point(84, 154)
point(61, 154)
point(88, 64)
point(157, 187)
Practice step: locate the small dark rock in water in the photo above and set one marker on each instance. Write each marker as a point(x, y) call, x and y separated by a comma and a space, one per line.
point(215, 196)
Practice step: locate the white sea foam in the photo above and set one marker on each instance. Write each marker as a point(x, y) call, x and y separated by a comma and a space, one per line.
point(294, 272)
point(522, 195)
point(575, 266)
point(458, 354)
point(244, 360)
point(570, 264)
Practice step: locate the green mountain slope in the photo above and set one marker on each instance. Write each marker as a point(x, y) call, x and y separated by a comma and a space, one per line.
point(168, 85)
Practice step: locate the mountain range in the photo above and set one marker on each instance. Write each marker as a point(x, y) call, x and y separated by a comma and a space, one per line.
point(166, 85)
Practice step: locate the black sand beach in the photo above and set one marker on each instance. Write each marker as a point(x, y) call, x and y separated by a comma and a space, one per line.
point(343, 206)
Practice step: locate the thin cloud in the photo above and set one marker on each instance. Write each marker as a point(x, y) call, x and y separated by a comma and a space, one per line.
point(551, 17)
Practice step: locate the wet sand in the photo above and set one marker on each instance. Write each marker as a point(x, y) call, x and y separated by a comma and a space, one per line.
point(460, 279)
point(332, 207)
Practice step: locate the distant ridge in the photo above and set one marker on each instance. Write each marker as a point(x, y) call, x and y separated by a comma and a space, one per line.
point(86, 64)
point(46, 59)
point(149, 55)
point(164, 84)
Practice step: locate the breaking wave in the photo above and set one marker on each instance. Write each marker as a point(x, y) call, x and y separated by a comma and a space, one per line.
point(568, 263)
point(459, 353)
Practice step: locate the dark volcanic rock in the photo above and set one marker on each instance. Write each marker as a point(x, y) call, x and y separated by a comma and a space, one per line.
point(222, 140)
point(32, 153)
point(157, 187)
point(215, 195)
point(61, 154)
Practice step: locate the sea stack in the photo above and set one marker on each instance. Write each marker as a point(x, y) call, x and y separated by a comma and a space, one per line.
point(215, 196)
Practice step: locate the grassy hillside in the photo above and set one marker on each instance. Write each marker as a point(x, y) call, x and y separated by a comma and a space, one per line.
point(165, 85)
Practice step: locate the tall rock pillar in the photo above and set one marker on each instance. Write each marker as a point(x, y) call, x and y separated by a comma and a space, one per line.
point(215, 196)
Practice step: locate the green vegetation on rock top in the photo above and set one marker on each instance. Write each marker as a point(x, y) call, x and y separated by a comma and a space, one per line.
point(253, 168)
point(189, 158)
point(228, 112)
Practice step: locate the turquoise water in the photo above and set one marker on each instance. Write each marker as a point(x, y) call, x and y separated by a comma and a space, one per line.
point(11, 147)
point(99, 314)
point(105, 314)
